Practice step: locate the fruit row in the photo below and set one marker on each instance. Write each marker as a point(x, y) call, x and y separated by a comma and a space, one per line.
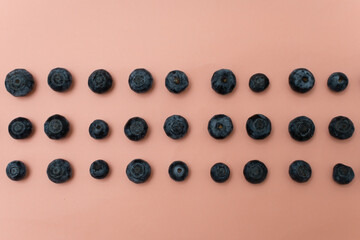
point(138, 171)
point(20, 82)
point(220, 126)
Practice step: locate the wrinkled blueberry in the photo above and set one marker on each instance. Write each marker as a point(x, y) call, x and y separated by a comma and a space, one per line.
point(255, 171)
point(220, 126)
point(16, 170)
point(258, 82)
point(343, 174)
point(19, 82)
point(59, 79)
point(258, 126)
point(140, 80)
point(98, 129)
point(301, 128)
point(220, 172)
point(136, 128)
point(341, 127)
point(99, 169)
point(223, 81)
point(138, 171)
point(59, 171)
point(178, 171)
point(337, 81)
point(300, 171)
point(20, 128)
point(176, 126)
point(176, 81)
point(100, 81)
point(56, 127)
point(301, 80)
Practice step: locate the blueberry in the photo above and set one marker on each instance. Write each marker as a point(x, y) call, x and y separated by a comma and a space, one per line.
point(300, 171)
point(98, 129)
point(59, 79)
point(301, 80)
point(140, 80)
point(100, 81)
point(138, 171)
point(176, 81)
point(220, 172)
point(176, 126)
point(56, 127)
point(20, 128)
point(59, 171)
point(343, 174)
point(136, 128)
point(16, 170)
point(220, 126)
point(19, 82)
point(99, 169)
point(337, 81)
point(258, 82)
point(301, 128)
point(223, 81)
point(258, 126)
point(255, 171)
point(178, 171)
point(341, 127)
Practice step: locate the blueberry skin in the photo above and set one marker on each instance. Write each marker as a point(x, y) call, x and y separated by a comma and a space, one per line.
point(220, 172)
point(99, 169)
point(59, 79)
point(223, 81)
point(343, 174)
point(178, 171)
point(16, 170)
point(255, 171)
point(337, 82)
point(301, 80)
point(176, 126)
point(56, 127)
point(138, 171)
point(176, 81)
point(98, 129)
point(135, 129)
point(341, 127)
point(100, 81)
point(258, 126)
point(301, 128)
point(59, 171)
point(19, 82)
point(300, 171)
point(258, 82)
point(220, 126)
point(140, 80)
point(20, 128)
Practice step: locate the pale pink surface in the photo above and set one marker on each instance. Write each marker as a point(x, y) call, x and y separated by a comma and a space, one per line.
point(198, 37)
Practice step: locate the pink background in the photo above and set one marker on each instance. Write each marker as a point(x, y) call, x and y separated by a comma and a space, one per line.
point(198, 37)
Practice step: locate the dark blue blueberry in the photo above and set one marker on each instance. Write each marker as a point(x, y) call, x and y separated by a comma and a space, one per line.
point(138, 171)
point(16, 170)
point(220, 126)
point(338, 81)
point(220, 172)
point(223, 81)
point(176, 126)
point(301, 128)
point(59, 79)
point(343, 174)
point(255, 171)
point(140, 80)
point(59, 171)
point(19, 82)
point(258, 82)
point(99, 169)
point(136, 128)
point(56, 127)
point(176, 81)
point(178, 171)
point(258, 126)
point(98, 129)
point(300, 171)
point(20, 128)
point(301, 80)
point(100, 81)
point(341, 127)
